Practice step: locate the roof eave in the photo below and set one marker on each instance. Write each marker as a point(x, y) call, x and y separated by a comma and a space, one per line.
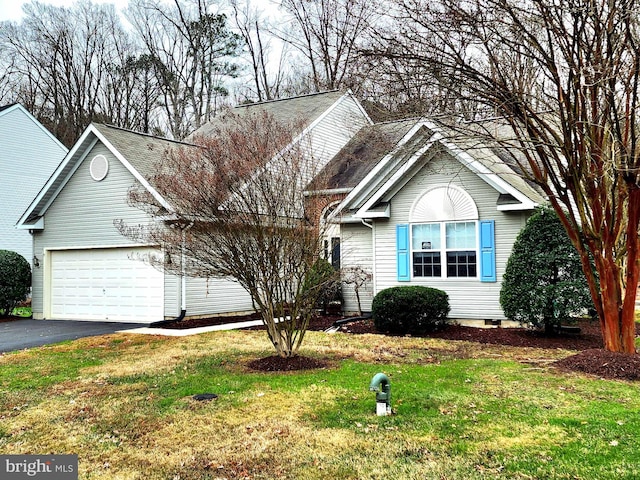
point(38, 224)
point(66, 169)
point(47, 190)
point(381, 211)
point(515, 207)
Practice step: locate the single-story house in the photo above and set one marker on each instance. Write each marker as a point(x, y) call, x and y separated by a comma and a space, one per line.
point(86, 270)
point(427, 205)
point(29, 154)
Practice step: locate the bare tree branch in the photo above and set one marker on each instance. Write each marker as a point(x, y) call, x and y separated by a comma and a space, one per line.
point(193, 52)
point(239, 212)
point(327, 33)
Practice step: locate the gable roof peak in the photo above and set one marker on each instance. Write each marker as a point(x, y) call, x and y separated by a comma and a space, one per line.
point(303, 109)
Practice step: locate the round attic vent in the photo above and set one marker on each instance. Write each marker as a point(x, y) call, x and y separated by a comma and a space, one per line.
point(99, 167)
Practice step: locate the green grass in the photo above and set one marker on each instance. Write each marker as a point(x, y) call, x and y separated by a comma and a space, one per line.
point(462, 411)
point(22, 311)
point(19, 312)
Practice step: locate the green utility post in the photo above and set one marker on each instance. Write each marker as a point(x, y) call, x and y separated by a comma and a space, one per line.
point(381, 385)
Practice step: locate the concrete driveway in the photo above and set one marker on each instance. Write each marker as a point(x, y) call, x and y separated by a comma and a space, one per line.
point(28, 333)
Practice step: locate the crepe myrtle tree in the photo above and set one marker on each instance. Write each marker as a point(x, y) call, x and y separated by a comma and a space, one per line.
point(235, 209)
point(563, 76)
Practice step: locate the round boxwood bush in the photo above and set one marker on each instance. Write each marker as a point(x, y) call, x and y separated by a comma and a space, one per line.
point(543, 285)
point(15, 280)
point(410, 309)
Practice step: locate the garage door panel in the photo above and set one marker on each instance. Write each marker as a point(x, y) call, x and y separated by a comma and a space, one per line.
point(105, 284)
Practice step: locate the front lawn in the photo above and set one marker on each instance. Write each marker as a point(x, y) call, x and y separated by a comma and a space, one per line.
point(124, 404)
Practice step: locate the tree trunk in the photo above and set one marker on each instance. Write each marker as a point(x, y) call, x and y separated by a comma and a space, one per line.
point(279, 333)
point(618, 286)
point(618, 327)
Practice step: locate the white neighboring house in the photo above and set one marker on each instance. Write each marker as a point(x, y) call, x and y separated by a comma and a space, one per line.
point(29, 155)
point(423, 205)
point(88, 271)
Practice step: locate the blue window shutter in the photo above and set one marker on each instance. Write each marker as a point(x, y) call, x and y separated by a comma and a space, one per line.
point(402, 252)
point(487, 251)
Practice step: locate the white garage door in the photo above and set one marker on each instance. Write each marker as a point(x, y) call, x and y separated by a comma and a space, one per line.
point(105, 284)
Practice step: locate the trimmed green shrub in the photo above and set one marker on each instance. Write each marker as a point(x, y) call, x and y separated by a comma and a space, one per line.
point(543, 284)
point(15, 280)
point(410, 309)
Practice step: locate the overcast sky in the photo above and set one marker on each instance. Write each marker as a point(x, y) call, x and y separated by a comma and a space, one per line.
point(12, 9)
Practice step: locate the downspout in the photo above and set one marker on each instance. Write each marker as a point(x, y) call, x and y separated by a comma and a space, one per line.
point(183, 276)
point(373, 255)
point(183, 286)
point(364, 222)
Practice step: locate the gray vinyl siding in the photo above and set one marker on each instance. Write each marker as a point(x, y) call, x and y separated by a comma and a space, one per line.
point(28, 156)
point(82, 216)
point(172, 289)
point(216, 296)
point(469, 298)
point(83, 213)
point(333, 131)
point(356, 246)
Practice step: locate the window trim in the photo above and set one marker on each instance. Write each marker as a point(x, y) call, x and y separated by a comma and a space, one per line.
point(444, 250)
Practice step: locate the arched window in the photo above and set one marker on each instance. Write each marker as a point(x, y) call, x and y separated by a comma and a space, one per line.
point(444, 202)
point(444, 234)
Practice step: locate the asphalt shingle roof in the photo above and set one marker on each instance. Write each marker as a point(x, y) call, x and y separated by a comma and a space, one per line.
point(143, 151)
point(304, 109)
point(361, 154)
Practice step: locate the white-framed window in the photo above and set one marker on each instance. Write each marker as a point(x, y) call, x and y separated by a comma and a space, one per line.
point(331, 237)
point(445, 249)
point(446, 238)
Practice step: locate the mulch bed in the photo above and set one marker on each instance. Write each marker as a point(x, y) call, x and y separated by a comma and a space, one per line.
point(602, 363)
point(275, 363)
point(9, 318)
point(591, 357)
point(208, 322)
